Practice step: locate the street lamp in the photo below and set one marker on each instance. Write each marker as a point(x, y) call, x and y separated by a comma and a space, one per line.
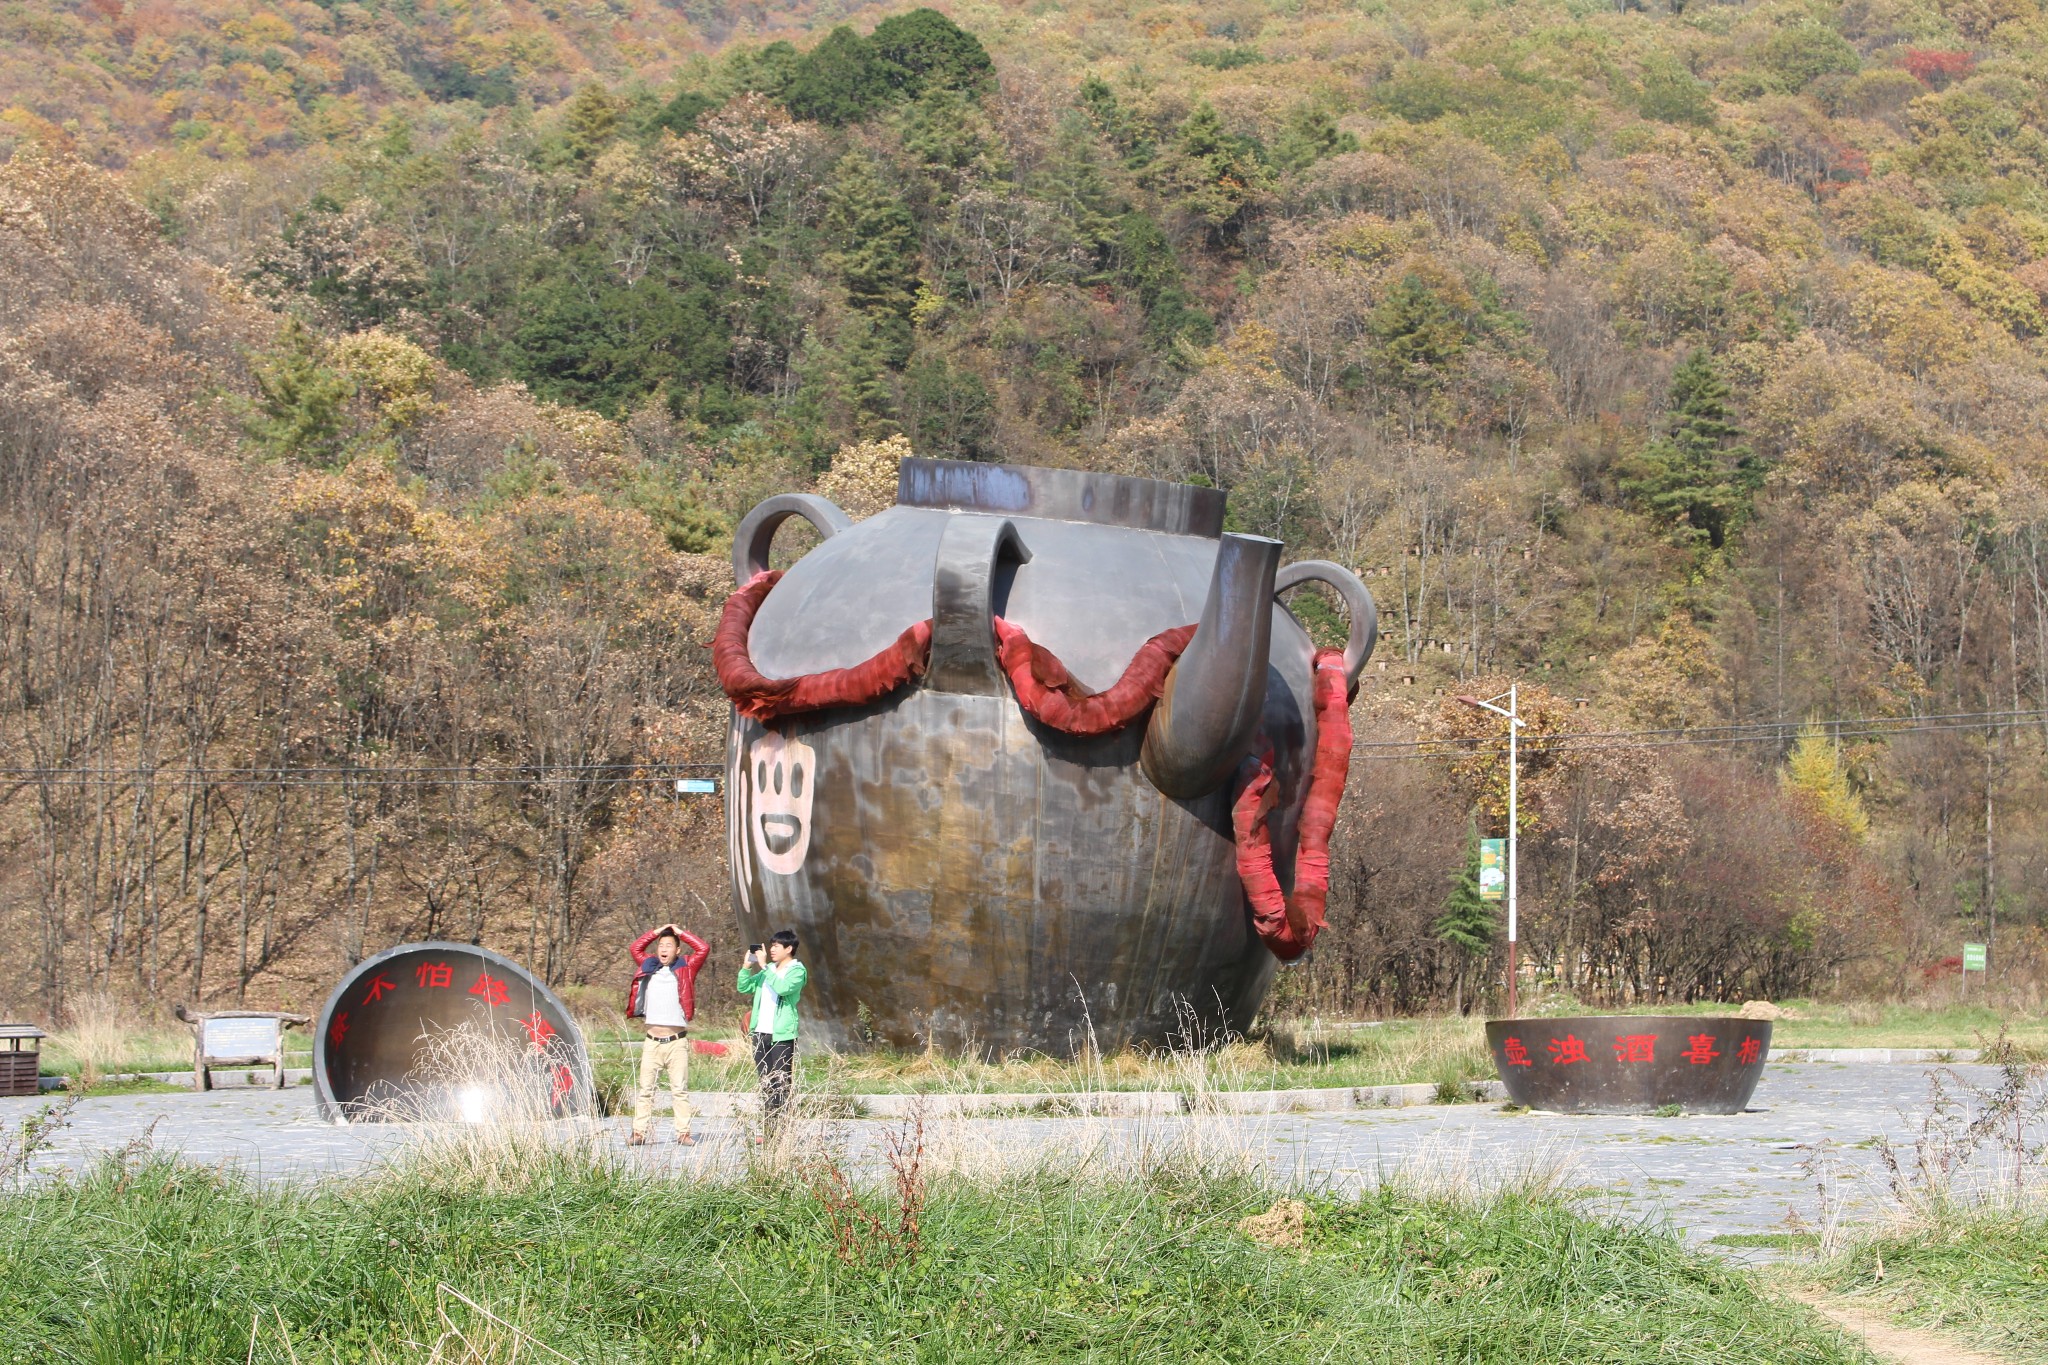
point(1515, 724)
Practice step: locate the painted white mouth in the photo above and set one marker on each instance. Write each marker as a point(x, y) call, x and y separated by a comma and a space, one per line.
point(780, 832)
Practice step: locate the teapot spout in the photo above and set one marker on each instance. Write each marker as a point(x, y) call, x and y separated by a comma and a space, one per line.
point(1206, 717)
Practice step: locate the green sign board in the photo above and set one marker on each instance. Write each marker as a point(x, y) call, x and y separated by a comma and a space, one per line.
point(1493, 876)
point(1974, 957)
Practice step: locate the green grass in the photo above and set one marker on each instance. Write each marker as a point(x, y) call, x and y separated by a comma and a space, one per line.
point(163, 1262)
point(1782, 1241)
point(1979, 1275)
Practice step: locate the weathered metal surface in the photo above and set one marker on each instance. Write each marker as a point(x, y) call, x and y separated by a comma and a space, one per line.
point(1630, 1064)
point(1062, 495)
point(963, 875)
point(1215, 697)
point(368, 1053)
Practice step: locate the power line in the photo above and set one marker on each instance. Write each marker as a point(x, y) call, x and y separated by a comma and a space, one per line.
point(1748, 732)
point(627, 774)
point(1777, 727)
point(182, 777)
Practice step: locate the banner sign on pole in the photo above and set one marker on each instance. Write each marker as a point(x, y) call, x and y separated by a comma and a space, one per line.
point(1493, 876)
point(1974, 957)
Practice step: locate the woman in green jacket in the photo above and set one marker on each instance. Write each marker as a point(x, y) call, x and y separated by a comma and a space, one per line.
point(776, 984)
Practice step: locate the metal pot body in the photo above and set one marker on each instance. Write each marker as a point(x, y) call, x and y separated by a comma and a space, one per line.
point(960, 875)
point(1630, 1064)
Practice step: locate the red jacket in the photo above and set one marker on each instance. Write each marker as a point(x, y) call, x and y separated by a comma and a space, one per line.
point(687, 965)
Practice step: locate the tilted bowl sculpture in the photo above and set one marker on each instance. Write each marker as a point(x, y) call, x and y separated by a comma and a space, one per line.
point(383, 1049)
point(962, 871)
point(1630, 1063)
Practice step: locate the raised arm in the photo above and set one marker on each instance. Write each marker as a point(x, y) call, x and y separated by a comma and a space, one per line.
point(700, 951)
point(646, 940)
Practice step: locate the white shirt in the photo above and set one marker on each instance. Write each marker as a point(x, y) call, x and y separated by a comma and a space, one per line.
point(767, 999)
point(663, 1003)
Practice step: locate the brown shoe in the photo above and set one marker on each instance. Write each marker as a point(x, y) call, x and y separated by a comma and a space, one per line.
point(685, 1140)
point(637, 1140)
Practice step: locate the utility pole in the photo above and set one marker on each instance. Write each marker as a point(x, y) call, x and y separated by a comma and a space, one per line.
point(1515, 724)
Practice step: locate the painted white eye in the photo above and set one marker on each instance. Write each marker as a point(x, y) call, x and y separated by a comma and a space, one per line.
point(796, 781)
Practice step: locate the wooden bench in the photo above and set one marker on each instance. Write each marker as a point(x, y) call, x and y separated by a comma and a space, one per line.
point(238, 1038)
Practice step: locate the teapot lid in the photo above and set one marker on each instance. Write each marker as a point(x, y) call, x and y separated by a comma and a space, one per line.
point(1061, 495)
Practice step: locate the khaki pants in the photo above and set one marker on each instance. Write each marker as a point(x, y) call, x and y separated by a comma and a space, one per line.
point(656, 1053)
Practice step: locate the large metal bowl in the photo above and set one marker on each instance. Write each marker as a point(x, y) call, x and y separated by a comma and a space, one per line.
point(1630, 1064)
point(376, 1058)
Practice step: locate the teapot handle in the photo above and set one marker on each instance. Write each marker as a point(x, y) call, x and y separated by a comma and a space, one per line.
point(757, 531)
point(971, 553)
point(1363, 612)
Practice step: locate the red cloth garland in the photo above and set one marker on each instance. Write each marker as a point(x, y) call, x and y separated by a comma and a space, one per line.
point(1288, 924)
point(764, 698)
point(1044, 687)
point(1046, 690)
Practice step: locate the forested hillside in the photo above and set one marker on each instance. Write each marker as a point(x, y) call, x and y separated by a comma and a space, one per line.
point(380, 382)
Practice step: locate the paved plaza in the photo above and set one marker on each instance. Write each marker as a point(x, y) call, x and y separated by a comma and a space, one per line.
point(1708, 1176)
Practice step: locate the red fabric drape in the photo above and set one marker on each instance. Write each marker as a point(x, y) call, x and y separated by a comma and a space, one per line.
point(1045, 689)
point(765, 698)
point(1288, 924)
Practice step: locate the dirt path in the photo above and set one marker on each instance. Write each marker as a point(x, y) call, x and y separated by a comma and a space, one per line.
point(1888, 1341)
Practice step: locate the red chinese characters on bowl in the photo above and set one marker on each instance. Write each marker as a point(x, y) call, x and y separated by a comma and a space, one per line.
point(1630, 1064)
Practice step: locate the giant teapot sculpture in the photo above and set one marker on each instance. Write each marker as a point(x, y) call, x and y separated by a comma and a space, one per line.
point(962, 874)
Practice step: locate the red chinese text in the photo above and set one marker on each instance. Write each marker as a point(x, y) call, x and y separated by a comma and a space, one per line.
point(490, 988)
point(1751, 1049)
point(336, 1029)
point(1636, 1047)
point(563, 1082)
point(430, 974)
point(1699, 1049)
point(537, 1028)
point(1571, 1048)
point(1516, 1051)
point(377, 989)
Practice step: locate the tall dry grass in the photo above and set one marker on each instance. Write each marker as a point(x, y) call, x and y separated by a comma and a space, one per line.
point(482, 1113)
point(105, 1033)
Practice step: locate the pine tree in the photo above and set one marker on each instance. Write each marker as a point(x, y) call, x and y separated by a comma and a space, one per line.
point(875, 255)
point(1145, 264)
point(589, 123)
point(1072, 178)
point(1469, 922)
point(839, 81)
point(1700, 477)
point(924, 50)
point(1213, 175)
point(1420, 335)
point(1310, 135)
point(303, 407)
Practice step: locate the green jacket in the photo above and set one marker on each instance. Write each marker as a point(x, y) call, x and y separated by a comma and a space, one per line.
point(791, 986)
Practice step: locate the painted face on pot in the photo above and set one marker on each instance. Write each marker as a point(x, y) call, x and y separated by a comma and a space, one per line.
point(781, 771)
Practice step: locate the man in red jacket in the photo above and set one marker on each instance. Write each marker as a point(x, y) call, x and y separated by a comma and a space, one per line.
point(664, 996)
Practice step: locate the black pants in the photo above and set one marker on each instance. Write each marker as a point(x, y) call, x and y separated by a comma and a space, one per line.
point(776, 1063)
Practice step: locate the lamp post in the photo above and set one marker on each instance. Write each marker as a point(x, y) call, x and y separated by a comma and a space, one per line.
point(1515, 724)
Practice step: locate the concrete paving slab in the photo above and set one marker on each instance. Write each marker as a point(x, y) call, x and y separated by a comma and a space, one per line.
point(1707, 1176)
